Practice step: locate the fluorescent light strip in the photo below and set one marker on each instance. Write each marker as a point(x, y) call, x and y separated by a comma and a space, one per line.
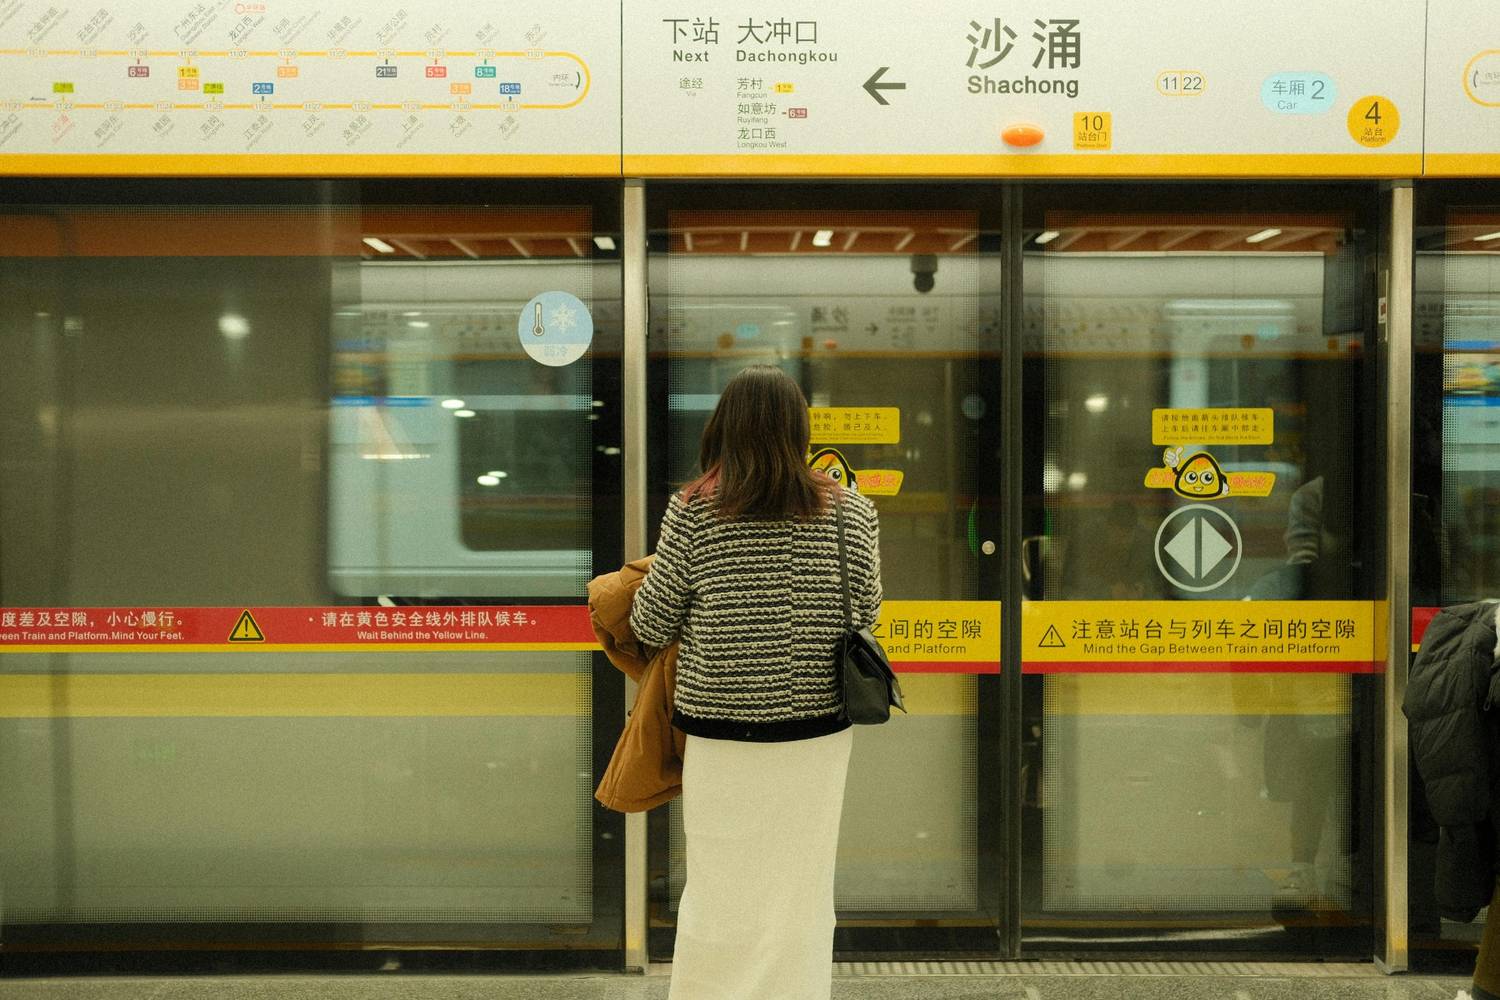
point(823, 238)
point(1047, 237)
point(375, 243)
point(1487, 237)
point(1264, 234)
point(604, 242)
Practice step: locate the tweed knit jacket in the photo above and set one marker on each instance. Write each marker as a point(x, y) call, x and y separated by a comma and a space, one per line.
point(756, 606)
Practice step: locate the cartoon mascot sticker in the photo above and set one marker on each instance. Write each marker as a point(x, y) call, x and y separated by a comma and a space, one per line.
point(831, 462)
point(1200, 477)
point(871, 482)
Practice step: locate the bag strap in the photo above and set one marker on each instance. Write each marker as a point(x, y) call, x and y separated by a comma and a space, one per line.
point(838, 508)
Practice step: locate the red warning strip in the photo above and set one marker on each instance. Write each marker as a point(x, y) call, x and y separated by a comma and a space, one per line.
point(325, 629)
point(1420, 619)
point(1205, 667)
point(127, 629)
point(945, 666)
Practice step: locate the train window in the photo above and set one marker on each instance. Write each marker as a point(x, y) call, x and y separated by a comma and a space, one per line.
point(482, 451)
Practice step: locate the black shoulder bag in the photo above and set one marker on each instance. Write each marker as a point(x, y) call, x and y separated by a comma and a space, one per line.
point(869, 684)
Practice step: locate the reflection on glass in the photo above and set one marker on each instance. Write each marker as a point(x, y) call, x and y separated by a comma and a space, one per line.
point(270, 406)
point(434, 388)
point(1466, 302)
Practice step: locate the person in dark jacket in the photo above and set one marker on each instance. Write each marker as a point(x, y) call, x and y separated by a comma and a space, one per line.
point(1451, 704)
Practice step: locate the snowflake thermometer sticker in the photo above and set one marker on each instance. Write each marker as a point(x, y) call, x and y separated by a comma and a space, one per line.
point(555, 328)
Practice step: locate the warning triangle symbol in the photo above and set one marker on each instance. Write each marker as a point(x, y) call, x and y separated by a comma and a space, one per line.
point(1051, 640)
point(245, 630)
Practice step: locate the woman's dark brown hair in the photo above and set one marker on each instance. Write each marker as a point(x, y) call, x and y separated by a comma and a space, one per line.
point(754, 450)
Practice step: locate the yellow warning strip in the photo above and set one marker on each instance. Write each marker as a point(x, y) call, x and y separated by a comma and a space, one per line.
point(1042, 164)
point(257, 646)
point(28, 696)
point(938, 694)
point(1197, 694)
point(1461, 165)
point(308, 164)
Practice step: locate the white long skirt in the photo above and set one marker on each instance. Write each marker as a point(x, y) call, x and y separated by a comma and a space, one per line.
point(762, 825)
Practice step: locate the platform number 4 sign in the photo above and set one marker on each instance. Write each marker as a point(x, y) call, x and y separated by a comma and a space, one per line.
point(1374, 120)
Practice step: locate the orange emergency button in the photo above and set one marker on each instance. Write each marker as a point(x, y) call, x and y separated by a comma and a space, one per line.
point(1024, 134)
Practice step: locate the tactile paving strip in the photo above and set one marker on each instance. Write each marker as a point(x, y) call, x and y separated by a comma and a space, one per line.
point(1294, 970)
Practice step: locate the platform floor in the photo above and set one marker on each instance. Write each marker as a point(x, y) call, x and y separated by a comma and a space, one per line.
point(1021, 981)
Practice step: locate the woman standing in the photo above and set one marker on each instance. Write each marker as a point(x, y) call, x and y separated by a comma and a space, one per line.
point(746, 576)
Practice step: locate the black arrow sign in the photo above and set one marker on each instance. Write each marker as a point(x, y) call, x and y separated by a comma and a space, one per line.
point(873, 86)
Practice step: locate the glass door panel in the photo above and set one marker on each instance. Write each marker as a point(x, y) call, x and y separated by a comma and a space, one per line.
point(236, 394)
point(1455, 481)
point(1197, 403)
point(890, 320)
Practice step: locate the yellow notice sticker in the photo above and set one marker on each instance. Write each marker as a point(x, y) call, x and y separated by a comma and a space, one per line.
point(956, 637)
point(1091, 129)
point(855, 424)
point(1199, 637)
point(1221, 425)
point(1374, 121)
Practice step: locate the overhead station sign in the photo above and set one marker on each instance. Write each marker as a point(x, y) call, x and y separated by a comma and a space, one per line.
point(344, 87)
point(1463, 88)
point(1030, 87)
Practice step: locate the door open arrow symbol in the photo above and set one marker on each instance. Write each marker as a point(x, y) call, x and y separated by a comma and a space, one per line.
point(873, 86)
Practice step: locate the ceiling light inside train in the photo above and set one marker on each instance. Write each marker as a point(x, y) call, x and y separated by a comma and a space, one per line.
point(1097, 403)
point(498, 473)
point(375, 243)
point(1043, 238)
point(418, 324)
point(1078, 480)
point(1487, 237)
point(234, 326)
point(453, 404)
point(1264, 234)
point(463, 413)
point(604, 242)
point(823, 238)
point(924, 271)
point(489, 480)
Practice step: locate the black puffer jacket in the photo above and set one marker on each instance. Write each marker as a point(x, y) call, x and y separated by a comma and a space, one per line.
point(1451, 703)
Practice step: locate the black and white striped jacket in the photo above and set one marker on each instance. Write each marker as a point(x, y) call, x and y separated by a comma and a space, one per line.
point(756, 606)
